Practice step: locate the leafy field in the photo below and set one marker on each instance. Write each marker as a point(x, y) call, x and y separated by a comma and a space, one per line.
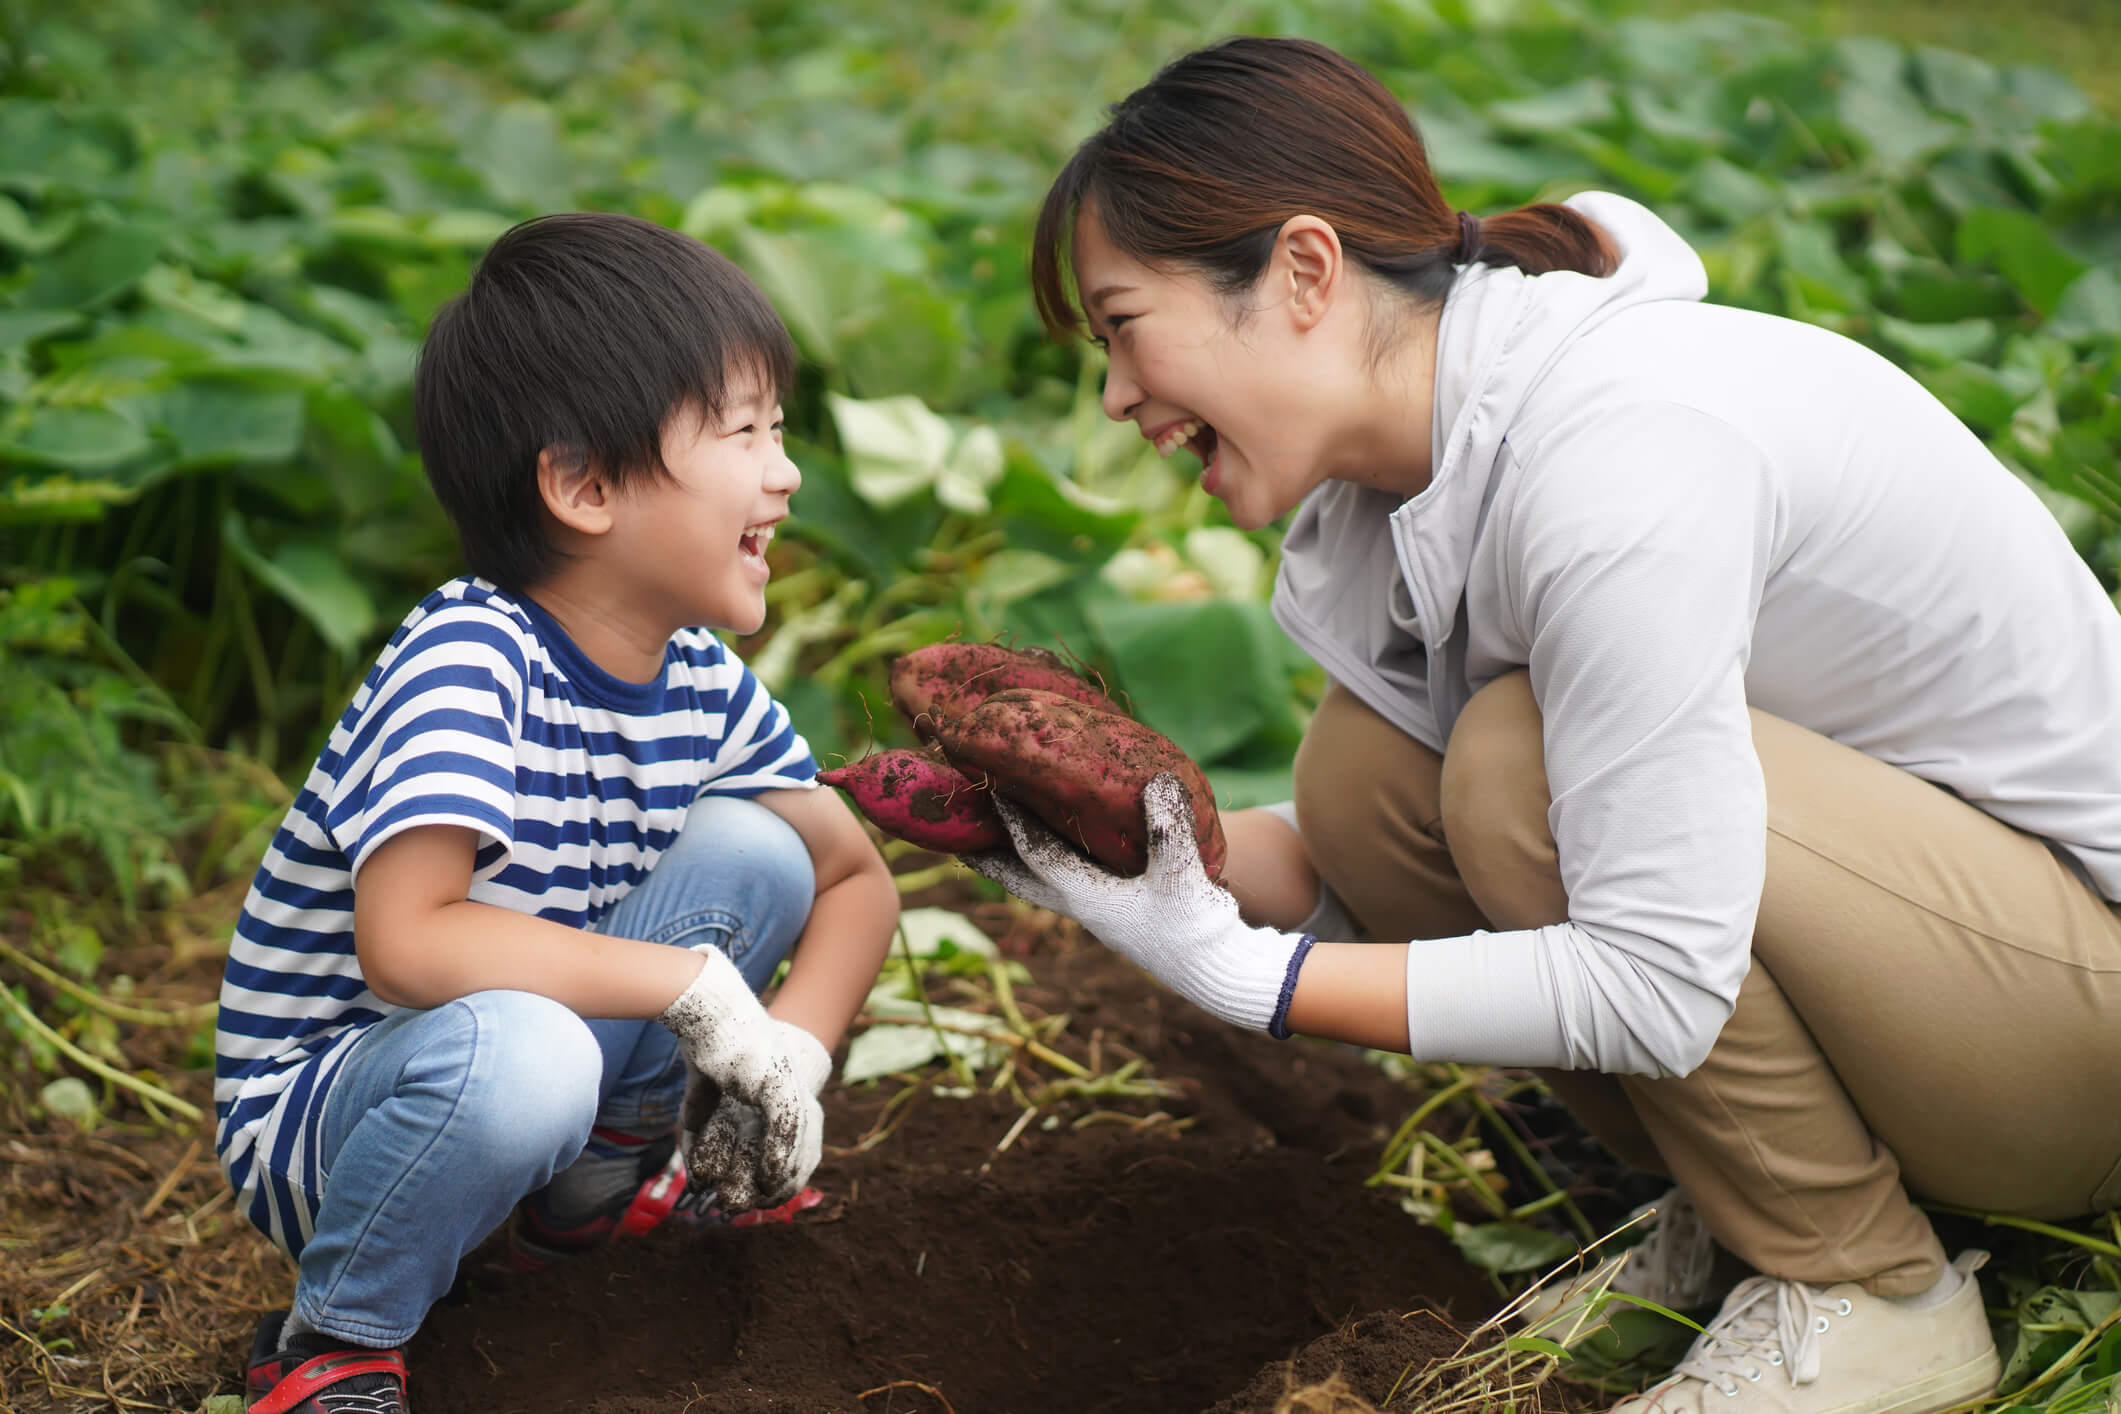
point(222, 232)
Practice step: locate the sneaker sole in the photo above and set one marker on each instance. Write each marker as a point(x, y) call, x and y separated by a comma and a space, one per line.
point(1968, 1380)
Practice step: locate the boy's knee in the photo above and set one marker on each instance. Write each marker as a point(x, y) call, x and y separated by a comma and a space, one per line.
point(1494, 803)
point(765, 871)
point(530, 1075)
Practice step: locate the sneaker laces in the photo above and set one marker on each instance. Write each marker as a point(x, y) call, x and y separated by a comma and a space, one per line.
point(1766, 1321)
point(1676, 1259)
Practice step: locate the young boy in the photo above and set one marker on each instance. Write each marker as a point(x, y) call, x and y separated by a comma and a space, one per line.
point(519, 913)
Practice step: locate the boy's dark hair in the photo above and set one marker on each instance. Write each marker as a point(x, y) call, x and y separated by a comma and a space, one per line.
point(586, 332)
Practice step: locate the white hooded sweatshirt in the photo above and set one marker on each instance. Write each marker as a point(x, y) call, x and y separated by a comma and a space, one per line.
point(1669, 511)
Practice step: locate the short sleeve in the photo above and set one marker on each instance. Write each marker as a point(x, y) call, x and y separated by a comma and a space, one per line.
point(757, 747)
point(435, 744)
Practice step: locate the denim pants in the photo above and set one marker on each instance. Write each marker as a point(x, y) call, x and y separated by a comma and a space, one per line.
point(439, 1121)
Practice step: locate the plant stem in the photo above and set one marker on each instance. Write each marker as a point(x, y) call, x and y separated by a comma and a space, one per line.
point(143, 1016)
point(153, 1094)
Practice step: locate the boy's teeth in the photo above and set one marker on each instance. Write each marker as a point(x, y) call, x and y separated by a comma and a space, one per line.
point(1172, 440)
point(760, 535)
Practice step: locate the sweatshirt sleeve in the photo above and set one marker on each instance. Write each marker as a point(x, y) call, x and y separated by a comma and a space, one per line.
point(1635, 554)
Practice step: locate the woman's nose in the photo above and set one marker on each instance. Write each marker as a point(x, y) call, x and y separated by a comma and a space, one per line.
point(1122, 395)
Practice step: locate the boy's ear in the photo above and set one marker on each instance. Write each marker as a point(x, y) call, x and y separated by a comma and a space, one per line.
point(574, 490)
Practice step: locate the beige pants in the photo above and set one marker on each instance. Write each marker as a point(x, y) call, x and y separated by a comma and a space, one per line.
point(1934, 1003)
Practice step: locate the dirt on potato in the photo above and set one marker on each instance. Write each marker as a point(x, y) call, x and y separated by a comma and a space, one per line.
point(1082, 1270)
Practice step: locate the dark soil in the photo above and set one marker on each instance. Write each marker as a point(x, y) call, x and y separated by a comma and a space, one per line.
point(1081, 1270)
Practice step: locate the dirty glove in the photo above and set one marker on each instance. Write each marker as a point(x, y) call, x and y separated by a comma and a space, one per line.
point(1173, 920)
point(735, 1056)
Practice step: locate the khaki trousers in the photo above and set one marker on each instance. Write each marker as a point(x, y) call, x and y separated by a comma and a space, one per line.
point(1934, 1003)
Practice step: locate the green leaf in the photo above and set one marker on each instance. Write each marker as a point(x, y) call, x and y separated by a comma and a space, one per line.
point(1207, 675)
point(309, 576)
point(92, 269)
point(1981, 399)
point(2023, 249)
point(896, 447)
point(76, 437)
point(517, 149)
point(2090, 308)
point(20, 233)
point(1939, 343)
point(1536, 1345)
point(19, 327)
point(221, 422)
point(70, 1098)
point(1503, 1248)
point(930, 930)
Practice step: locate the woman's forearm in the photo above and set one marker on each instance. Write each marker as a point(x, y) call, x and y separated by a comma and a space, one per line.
point(1354, 992)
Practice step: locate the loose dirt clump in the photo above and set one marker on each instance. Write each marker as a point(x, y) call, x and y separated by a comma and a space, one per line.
point(1353, 1368)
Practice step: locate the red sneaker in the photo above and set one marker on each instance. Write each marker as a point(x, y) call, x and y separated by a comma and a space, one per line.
point(535, 1244)
point(314, 1374)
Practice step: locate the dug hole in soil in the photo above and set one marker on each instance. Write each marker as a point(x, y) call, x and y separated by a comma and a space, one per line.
point(1086, 1270)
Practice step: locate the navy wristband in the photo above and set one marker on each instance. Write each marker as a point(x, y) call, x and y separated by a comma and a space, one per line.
point(1278, 1024)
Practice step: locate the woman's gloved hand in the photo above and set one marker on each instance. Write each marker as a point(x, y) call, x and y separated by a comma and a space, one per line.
point(1173, 920)
point(739, 1057)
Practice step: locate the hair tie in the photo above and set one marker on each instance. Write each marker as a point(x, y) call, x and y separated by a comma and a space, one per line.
point(1468, 237)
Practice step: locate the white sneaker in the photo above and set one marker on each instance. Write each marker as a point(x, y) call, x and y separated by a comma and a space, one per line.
point(1674, 1265)
point(1781, 1347)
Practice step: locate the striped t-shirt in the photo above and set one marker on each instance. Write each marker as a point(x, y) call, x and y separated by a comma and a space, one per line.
point(481, 713)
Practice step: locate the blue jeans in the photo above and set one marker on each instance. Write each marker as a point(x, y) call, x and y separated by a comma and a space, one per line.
point(439, 1121)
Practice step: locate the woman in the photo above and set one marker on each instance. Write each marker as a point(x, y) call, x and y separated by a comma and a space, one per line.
point(1734, 732)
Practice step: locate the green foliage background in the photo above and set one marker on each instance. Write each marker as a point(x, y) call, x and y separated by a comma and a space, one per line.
point(222, 233)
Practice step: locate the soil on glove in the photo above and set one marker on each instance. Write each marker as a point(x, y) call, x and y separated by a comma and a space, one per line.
point(1082, 1270)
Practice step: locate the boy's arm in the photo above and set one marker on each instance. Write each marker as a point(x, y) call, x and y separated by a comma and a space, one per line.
point(852, 918)
point(422, 943)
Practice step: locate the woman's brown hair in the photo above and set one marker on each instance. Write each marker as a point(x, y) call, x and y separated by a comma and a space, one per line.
point(1201, 166)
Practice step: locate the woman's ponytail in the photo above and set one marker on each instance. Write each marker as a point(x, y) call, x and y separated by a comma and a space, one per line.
point(1201, 166)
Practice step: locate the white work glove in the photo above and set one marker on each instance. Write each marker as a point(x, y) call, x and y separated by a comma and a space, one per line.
point(1173, 920)
point(741, 1128)
point(734, 1052)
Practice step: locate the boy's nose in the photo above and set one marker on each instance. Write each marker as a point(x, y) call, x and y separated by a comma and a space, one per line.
point(784, 476)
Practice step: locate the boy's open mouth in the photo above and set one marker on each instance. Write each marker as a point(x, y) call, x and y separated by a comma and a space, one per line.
point(755, 539)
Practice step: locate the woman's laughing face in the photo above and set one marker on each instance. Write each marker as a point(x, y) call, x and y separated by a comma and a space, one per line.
point(1193, 369)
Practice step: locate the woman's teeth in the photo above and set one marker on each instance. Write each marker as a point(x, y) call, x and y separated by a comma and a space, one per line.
point(1178, 436)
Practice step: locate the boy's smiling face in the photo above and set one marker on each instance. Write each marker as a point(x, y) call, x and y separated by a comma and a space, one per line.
point(698, 537)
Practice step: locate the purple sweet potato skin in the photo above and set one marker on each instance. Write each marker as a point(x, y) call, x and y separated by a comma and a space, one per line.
point(921, 801)
point(1081, 770)
point(932, 685)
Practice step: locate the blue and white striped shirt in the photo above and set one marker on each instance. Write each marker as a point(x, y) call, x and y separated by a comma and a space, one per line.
point(481, 713)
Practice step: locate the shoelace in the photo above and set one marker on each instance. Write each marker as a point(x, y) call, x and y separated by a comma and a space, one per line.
point(1765, 1323)
point(1675, 1260)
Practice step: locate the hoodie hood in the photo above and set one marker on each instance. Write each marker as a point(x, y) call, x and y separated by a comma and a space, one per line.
point(1373, 586)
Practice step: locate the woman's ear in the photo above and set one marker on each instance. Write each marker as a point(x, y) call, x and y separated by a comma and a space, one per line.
point(574, 491)
point(1307, 265)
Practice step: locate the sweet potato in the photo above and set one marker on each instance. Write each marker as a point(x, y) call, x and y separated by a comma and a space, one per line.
point(944, 680)
point(922, 801)
point(1081, 770)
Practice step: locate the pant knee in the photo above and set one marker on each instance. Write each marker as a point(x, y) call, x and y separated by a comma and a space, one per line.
point(1348, 823)
point(1494, 803)
point(762, 873)
point(528, 1076)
